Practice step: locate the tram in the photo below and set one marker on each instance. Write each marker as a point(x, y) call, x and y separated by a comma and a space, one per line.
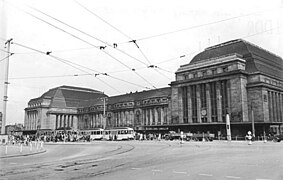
point(118, 133)
point(93, 134)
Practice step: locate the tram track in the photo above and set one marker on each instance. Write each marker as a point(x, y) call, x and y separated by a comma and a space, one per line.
point(88, 167)
point(85, 162)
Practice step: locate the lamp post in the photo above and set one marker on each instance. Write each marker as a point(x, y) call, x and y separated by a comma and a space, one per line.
point(253, 123)
point(5, 96)
point(104, 99)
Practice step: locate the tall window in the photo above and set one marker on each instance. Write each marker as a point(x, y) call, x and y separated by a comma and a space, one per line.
point(185, 103)
point(165, 115)
point(213, 101)
point(194, 103)
point(153, 115)
point(148, 116)
point(280, 107)
point(224, 99)
point(159, 115)
point(270, 106)
point(203, 103)
point(144, 116)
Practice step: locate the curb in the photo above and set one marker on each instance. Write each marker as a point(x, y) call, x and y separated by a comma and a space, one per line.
point(18, 155)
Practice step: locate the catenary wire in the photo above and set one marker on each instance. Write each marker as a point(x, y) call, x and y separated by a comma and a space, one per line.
point(102, 19)
point(97, 72)
point(44, 77)
point(194, 27)
point(66, 62)
point(134, 41)
point(98, 47)
point(87, 34)
point(5, 58)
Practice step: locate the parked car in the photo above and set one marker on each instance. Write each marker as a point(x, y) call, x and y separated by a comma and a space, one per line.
point(276, 138)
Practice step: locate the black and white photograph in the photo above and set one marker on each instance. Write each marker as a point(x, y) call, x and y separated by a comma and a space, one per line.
point(141, 89)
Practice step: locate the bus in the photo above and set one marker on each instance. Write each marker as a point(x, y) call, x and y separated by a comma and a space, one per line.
point(118, 133)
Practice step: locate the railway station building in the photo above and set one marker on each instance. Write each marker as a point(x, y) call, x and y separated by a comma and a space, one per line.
point(57, 108)
point(236, 79)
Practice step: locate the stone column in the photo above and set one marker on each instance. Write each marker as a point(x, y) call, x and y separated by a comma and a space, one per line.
point(162, 115)
point(281, 106)
point(208, 103)
point(32, 120)
point(148, 116)
point(64, 125)
point(274, 106)
point(56, 121)
point(174, 105)
point(180, 106)
point(198, 104)
point(190, 120)
point(159, 115)
point(153, 111)
point(218, 102)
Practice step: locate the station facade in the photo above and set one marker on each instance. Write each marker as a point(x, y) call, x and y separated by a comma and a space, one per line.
point(235, 79)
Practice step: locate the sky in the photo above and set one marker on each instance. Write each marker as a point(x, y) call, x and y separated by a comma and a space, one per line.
point(166, 34)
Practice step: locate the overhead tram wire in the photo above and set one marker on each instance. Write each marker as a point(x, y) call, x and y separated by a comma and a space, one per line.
point(105, 74)
point(132, 40)
point(98, 47)
point(5, 51)
point(5, 58)
point(96, 72)
point(196, 26)
point(45, 77)
point(89, 35)
point(66, 62)
point(102, 19)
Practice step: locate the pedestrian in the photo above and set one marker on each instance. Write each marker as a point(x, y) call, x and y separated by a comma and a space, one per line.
point(159, 137)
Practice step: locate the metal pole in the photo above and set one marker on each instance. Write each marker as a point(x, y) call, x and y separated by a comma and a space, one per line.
point(253, 123)
point(228, 127)
point(104, 112)
point(5, 97)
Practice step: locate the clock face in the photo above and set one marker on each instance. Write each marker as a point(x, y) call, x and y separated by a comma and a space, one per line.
point(203, 112)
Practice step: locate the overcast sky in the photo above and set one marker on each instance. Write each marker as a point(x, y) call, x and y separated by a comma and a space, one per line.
point(168, 34)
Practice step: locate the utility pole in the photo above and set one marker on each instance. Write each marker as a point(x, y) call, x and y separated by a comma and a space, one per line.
point(5, 97)
point(104, 99)
point(253, 122)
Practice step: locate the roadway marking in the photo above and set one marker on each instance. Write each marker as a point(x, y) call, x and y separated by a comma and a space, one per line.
point(179, 172)
point(233, 177)
point(263, 179)
point(205, 174)
point(156, 170)
point(13, 163)
point(136, 168)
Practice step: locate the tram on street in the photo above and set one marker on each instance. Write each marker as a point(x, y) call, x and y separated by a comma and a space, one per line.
point(118, 133)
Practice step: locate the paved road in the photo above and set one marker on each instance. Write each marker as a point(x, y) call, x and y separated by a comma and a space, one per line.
point(150, 160)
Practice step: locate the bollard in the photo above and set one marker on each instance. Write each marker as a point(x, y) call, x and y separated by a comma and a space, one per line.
point(41, 145)
point(21, 148)
point(30, 147)
point(6, 150)
point(37, 146)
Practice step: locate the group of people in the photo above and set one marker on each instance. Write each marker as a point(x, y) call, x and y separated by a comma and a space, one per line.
point(71, 137)
point(150, 136)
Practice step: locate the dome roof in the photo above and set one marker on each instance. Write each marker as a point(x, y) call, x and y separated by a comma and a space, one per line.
point(69, 96)
point(257, 59)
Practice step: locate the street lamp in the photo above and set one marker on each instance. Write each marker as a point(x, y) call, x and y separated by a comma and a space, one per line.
point(104, 99)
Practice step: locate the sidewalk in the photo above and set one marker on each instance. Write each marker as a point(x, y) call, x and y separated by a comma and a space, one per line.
point(8, 151)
